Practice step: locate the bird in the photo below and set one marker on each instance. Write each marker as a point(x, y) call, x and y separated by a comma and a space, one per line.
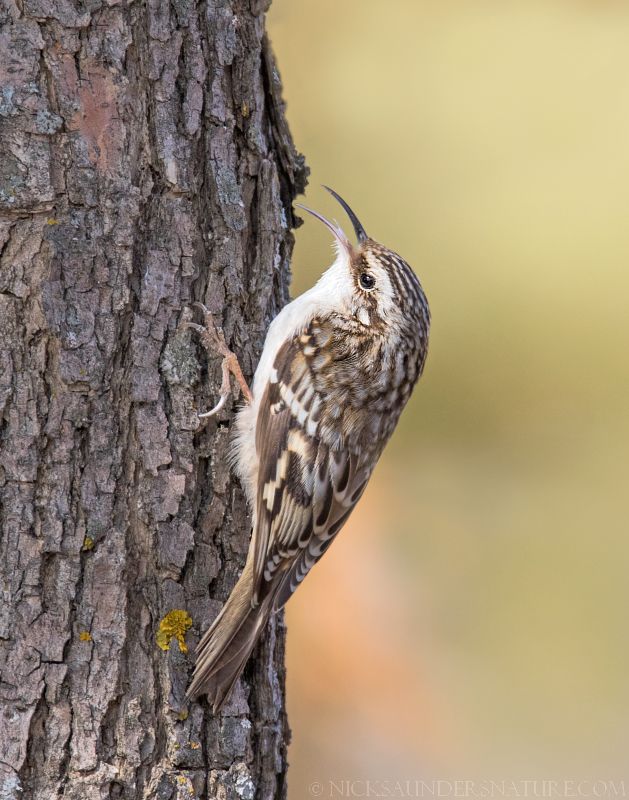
point(337, 367)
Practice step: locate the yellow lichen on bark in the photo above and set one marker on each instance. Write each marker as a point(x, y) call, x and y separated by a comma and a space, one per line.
point(175, 624)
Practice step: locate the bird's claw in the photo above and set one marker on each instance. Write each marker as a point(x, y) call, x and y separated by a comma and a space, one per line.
point(213, 341)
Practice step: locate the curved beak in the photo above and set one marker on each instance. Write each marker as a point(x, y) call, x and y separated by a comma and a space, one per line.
point(337, 231)
point(360, 232)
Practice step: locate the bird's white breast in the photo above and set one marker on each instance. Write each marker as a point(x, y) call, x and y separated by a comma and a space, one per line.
point(330, 293)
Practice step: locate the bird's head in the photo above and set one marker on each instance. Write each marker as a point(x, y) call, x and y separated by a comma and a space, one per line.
point(370, 282)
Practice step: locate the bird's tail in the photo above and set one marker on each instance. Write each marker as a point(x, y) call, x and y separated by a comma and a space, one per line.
point(224, 649)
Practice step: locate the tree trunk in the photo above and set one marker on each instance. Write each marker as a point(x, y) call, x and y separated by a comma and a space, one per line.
point(145, 162)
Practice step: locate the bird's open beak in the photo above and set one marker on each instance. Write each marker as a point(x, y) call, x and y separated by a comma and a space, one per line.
point(338, 232)
point(339, 235)
point(361, 235)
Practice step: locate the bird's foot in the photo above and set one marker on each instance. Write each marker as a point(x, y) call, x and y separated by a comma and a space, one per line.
point(213, 340)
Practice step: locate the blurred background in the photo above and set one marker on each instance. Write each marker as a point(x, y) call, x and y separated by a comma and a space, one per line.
point(471, 619)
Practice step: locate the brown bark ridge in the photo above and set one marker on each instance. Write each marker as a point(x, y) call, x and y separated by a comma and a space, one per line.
point(145, 162)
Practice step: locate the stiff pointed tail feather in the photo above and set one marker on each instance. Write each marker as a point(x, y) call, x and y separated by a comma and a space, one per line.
point(225, 648)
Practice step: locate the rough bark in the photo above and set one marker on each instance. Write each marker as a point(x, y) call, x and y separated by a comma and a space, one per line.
point(144, 163)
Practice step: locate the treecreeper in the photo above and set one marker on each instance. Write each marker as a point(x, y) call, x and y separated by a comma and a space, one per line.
point(338, 365)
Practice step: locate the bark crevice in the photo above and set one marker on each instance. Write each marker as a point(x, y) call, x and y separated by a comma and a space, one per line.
point(145, 163)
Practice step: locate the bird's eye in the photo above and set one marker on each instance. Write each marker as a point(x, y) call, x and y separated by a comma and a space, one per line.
point(367, 281)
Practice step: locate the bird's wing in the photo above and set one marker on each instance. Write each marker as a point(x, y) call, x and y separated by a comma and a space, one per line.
point(307, 483)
